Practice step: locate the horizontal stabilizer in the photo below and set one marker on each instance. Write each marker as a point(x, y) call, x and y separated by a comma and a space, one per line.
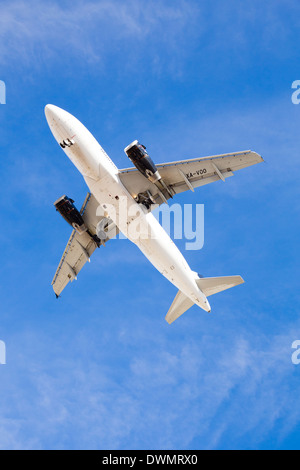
point(180, 305)
point(213, 285)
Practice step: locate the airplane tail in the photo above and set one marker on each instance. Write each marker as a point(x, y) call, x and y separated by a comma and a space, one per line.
point(180, 305)
point(209, 286)
point(213, 285)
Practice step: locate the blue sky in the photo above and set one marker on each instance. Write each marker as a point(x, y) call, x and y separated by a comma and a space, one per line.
point(100, 368)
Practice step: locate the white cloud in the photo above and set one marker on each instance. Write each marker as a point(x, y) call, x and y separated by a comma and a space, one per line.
point(165, 392)
point(35, 33)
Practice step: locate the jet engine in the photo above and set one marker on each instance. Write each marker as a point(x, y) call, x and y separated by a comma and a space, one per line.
point(141, 160)
point(65, 206)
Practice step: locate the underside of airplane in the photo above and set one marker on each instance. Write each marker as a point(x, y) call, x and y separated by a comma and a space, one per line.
point(145, 186)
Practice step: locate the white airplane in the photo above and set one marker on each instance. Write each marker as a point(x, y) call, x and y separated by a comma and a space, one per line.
point(143, 188)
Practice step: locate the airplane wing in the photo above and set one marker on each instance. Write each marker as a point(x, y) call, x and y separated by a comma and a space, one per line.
point(187, 174)
point(80, 248)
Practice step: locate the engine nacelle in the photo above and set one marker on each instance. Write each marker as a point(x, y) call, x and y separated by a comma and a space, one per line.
point(65, 206)
point(141, 160)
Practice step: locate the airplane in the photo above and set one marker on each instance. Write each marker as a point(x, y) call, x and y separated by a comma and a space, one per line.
point(143, 187)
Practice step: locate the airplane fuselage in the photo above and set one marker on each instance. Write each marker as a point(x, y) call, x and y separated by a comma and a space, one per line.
point(137, 223)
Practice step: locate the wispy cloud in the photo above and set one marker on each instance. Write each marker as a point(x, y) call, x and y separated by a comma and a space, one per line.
point(168, 393)
point(35, 33)
point(100, 368)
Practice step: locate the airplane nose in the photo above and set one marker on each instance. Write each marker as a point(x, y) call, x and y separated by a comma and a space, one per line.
point(51, 112)
point(57, 120)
